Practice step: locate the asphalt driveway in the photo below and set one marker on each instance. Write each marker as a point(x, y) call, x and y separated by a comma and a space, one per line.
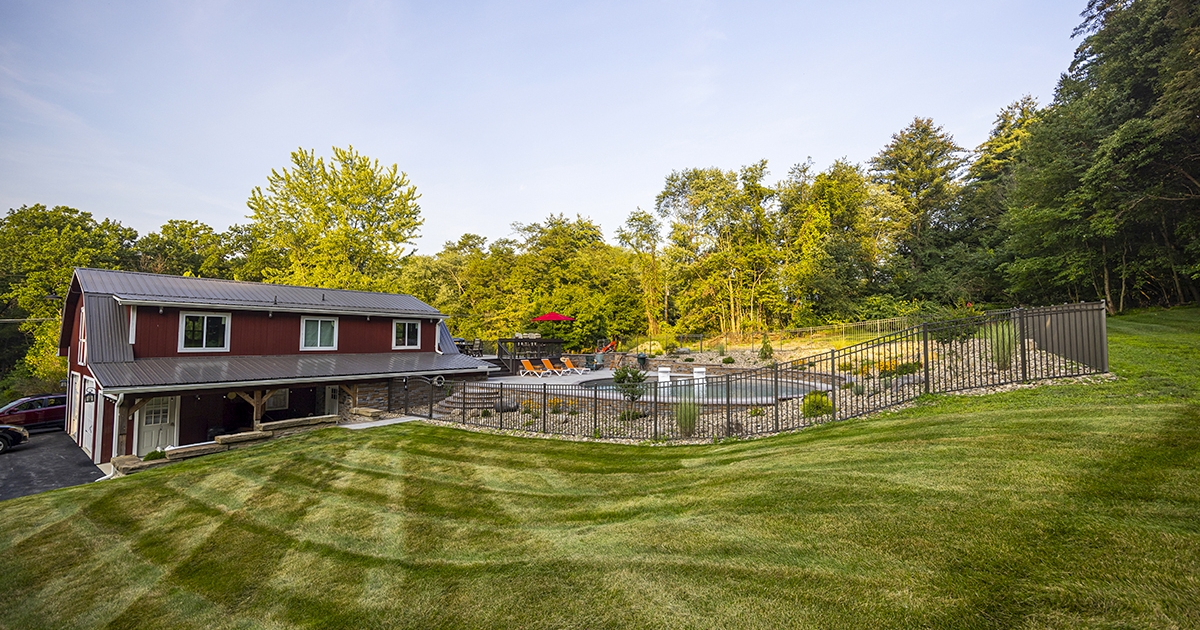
point(47, 461)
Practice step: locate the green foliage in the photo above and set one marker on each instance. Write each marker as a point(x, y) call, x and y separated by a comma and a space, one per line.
point(1002, 341)
point(19, 381)
point(765, 352)
point(887, 306)
point(155, 455)
point(1103, 202)
point(720, 349)
point(629, 415)
point(687, 411)
point(39, 249)
point(559, 265)
point(889, 369)
point(185, 248)
point(642, 234)
point(727, 360)
point(630, 382)
point(757, 412)
point(816, 404)
point(344, 224)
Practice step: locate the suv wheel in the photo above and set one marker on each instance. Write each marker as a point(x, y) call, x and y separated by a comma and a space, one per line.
point(4, 445)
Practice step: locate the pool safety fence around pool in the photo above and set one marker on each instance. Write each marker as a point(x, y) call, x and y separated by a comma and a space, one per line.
point(998, 348)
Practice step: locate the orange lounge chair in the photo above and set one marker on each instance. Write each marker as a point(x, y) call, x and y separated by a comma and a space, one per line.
point(551, 369)
point(570, 367)
point(529, 369)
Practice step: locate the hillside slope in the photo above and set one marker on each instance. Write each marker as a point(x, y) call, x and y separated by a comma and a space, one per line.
point(1062, 506)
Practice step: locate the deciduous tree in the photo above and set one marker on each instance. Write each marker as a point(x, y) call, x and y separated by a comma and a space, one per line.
point(344, 224)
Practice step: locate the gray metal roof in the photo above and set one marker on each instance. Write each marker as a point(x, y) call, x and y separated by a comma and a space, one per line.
point(446, 340)
point(107, 328)
point(194, 373)
point(148, 288)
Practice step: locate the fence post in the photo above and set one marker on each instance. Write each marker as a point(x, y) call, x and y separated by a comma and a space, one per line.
point(657, 386)
point(430, 381)
point(543, 407)
point(500, 407)
point(1021, 340)
point(728, 405)
point(925, 353)
point(463, 394)
point(406, 406)
point(595, 411)
point(833, 384)
point(775, 392)
point(1103, 313)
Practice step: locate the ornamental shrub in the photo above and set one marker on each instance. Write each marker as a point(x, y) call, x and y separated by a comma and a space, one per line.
point(817, 404)
point(630, 381)
point(686, 413)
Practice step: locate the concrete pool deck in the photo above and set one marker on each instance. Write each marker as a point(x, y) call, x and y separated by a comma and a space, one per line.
point(566, 379)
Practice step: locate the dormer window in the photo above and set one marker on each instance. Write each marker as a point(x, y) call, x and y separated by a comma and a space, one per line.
point(406, 334)
point(204, 332)
point(318, 333)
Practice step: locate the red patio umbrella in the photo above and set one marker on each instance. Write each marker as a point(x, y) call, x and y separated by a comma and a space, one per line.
point(553, 317)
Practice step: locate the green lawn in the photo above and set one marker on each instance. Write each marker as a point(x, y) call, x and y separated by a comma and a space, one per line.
point(1064, 506)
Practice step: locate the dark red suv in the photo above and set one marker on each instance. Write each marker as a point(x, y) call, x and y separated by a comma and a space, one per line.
point(47, 412)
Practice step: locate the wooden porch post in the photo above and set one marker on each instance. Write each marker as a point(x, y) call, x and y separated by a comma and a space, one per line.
point(259, 403)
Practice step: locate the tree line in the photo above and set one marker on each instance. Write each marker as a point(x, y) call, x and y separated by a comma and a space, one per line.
point(1092, 196)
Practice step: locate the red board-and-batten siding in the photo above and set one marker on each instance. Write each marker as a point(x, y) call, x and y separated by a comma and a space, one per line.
point(257, 333)
point(105, 429)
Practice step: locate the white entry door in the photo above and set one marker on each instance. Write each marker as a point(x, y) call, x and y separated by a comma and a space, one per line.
point(74, 399)
point(331, 400)
point(89, 417)
point(158, 424)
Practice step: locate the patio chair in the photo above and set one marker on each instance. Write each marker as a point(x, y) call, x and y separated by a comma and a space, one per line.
point(550, 368)
point(476, 348)
point(530, 370)
point(570, 367)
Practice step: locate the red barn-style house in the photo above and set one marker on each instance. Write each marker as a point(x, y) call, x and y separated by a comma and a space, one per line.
point(160, 361)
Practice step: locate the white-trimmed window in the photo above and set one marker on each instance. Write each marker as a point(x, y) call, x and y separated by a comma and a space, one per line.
point(406, 334)
point(279, 400)
point(318, 333)
point(204, 332)
point(82, 358)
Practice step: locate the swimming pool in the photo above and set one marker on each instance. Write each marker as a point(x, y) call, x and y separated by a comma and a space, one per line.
point(712, 389)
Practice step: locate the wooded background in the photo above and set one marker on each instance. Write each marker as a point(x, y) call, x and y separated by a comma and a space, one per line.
point(1094, 195)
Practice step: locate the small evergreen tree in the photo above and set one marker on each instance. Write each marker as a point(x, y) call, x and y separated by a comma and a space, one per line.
point(766, 352)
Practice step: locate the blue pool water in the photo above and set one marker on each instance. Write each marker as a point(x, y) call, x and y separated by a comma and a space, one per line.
point(712, 389)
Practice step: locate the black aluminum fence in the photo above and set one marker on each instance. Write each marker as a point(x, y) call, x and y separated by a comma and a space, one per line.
point(998, 348)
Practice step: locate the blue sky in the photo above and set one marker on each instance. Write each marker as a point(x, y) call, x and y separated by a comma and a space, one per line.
point(498, 112)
